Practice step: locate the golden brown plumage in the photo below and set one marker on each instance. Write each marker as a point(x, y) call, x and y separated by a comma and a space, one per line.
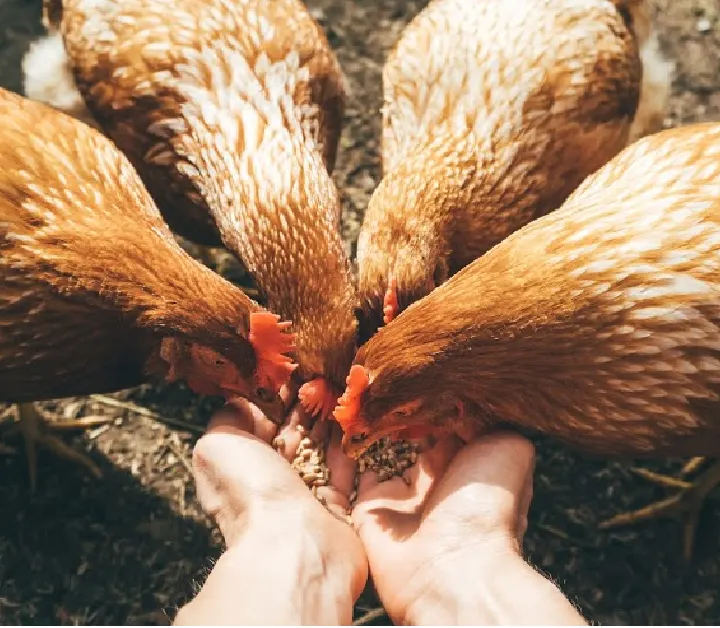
point(231, 112)
point(598, 324)
point(495, 111)
point(95, 293)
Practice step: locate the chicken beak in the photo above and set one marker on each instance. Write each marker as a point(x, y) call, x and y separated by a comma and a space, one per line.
point(355, 445)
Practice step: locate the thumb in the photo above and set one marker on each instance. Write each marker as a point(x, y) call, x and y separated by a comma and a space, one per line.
point(235, 471)
point(489, 482)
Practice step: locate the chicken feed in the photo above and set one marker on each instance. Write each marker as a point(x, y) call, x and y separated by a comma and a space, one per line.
point(387, 458)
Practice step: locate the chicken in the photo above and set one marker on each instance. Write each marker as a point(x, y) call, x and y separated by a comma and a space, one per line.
point(95, 293)
point(231, 113)
point(598, 324)
point(495, 111)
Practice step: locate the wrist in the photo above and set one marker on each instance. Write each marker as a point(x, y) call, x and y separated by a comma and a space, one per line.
point(296, 571)
point(277, 575)
point(451, 589)
point(489, 585)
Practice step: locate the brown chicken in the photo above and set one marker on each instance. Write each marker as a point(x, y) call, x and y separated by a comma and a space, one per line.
point(598, 324)
point(495, 111)
point(231, 113)
point(95, 293)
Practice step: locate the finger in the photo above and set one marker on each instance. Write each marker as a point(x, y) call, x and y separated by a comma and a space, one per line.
point(487, 481)
point(289, 436)
point(341, 467)
point(235, 471)
point(524, 507)
point(435, 461)
point(501, 458)
point(335, 501)
point(523, 516)
point(240, 414)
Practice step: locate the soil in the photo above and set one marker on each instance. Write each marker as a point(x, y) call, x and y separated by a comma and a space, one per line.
point(131, 548)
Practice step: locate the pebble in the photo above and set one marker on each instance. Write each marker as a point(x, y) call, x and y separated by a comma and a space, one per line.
point(703, 25)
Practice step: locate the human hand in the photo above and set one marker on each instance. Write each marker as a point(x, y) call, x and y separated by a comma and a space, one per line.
point(298, 424)
point(288, 559)
point(461, 510)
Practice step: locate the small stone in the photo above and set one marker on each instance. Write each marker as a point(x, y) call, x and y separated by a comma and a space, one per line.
point(310, 478)
point(703, 25)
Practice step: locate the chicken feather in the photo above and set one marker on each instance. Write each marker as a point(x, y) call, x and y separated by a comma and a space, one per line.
point(231, 113)
point(598, 324)
point(495, 110)
point(95, 293)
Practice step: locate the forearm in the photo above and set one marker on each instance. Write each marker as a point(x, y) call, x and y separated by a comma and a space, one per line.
point(263, 582)
point(508, 592)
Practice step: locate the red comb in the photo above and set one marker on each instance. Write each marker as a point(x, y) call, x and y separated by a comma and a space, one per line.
point(346, 413)
point(390, 302)
point(318, 397)
point(269, 339)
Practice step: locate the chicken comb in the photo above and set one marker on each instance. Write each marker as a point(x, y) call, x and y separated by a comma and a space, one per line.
point(390, 302)
point(348, 408)
point(318, 397)
point(269, 339)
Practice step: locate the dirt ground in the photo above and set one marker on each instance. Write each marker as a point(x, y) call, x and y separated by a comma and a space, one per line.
point(130, 549)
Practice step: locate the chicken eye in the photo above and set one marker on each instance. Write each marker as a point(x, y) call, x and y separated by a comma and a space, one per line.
point(357, 438)
point(220, 362)
point(265, 395)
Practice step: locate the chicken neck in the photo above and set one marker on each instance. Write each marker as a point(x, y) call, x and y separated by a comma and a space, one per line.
point(277, 210)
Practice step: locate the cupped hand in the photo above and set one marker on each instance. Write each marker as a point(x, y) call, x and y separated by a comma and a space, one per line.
point(287, 437)
point(251, 490)
point(460, 503)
